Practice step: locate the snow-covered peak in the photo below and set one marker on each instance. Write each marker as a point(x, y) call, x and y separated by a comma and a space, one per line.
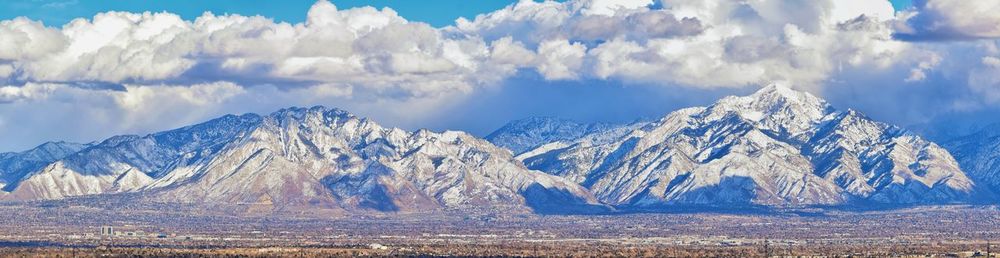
point(777, 146)
point(521, 135)
point(318, 117)
point(211, 132)
point(303, 112)
point(773, 99)
point(52, 150)
point(776, 94)
point(317, 157)
point(14, 165)
point(774, 108)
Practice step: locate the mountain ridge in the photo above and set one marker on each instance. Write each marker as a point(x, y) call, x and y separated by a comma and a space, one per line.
point(776, 147)
point(979, 155)
point(310, 157)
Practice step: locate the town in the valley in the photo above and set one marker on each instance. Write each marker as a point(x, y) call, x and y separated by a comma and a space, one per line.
point(962, 231)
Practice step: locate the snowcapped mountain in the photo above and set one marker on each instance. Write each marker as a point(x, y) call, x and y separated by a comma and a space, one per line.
point(314, 157)
point(530, 133)
point(14, 165)
point(776, 147)
point(97, 168)
point(979, 155)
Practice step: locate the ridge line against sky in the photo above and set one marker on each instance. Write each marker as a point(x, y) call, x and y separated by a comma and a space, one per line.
point(935, 64)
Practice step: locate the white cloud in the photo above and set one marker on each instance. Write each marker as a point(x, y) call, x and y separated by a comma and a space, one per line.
point(362, 47)
point(700, 43)
point(40, 112)
point(380, 63)
point(610, 7)
point(26, 39)
point(6, 70)
point(44, 111)
point(560, 59)
point(533, 22)
point(951, 20)
point(11, 94)
point(704, 43)
point(845, 10)
point(985, 80)
point(919, 73)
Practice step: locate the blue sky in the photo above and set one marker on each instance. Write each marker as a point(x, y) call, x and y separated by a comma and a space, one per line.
point(435, 12)
point(58, 12)
point(589, 60)
point(901, 4)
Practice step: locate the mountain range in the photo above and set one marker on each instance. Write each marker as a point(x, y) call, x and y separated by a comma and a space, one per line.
point(297, 157)
point(775, 148)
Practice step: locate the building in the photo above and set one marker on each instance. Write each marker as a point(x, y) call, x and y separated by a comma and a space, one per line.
point(107, 231)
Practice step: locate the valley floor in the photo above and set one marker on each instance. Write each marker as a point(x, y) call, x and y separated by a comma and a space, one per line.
point(77, 231)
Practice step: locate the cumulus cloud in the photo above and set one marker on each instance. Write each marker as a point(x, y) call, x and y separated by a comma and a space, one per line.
point(361, 47)
point(560, 59)
point(698, 43)
point(844, 10)
point(950, 20)
point(590, 21)
point(25, 39)
point(704, 43)
point(135, 72)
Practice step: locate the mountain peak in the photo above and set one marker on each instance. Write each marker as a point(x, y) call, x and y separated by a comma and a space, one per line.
point(775, 106)
point(777, 146)
point(313, 157)
point(778, 88)
point(541, 119)
point(299, 113)
point(777, 92)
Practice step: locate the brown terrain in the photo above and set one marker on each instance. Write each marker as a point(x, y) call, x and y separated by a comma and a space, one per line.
point(75, 230)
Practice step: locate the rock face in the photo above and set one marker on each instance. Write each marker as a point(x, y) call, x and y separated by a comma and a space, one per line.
point(979, 156)
point(314, 157)
point(777, 147)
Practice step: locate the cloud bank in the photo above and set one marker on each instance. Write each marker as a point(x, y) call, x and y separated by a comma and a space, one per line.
point(122, 72)
point(950, 20)
point(377, 50)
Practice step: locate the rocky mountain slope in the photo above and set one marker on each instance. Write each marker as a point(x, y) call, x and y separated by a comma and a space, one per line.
point(14, 165)
point(316, 157)
point(777, 147)
point(530, 133)
point(979, 155)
